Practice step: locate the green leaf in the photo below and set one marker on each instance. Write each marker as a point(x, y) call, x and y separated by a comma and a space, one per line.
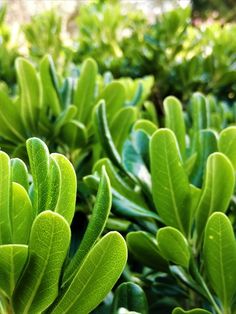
point(120, 188)
point(48, 245)
point(146, 126)
point(121, 126)
point(144, 248)
point(95, 227)
point(22, 214)
point(95, 278)
point(65, 117)
point(20, 173)
point(68, 187)
point(114, 96)
point(169, 181)
point(39, 164)
point(174, 120)
point(200, 112)
point(204, 144)
point(51, 98)
point(173, 246)
point(85, 91)
point(217, 189)
point(11, 126)
point(104, 135)
point(53, 184)
point(5, 196)
point(227, 144)
point(131, 297)
point(30, 97)
point(178, 310)
point(220, 257)
point(74, 134)
point(12, 260)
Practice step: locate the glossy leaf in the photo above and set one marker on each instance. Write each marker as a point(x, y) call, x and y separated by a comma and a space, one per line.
point(204, 143)
point(22, 214)
point(12, 260)
point(121, 126)
point(50, 96)
point(48, 245)
point(146, 126)
point(11, 126)
point(85, 90)
point(174, 120)
point(29, 97)
point(95, 227)
point(169, 181)
point(39, 164)
point(74, 134)
point(131, 297)
point(220, 257)
point(5, 196)
point(104, 134)
point(227, 144)
point(144, 248)
point(114, 96)
point(178, 310)
point(95, 278)
point(20, 173)
point(217, 189)
point(173, 246)
point(68, 187)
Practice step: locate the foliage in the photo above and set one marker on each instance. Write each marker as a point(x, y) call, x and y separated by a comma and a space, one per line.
point(8, 50)
point(182, 179)
point(49, 25)
point(59, 109)
point(37, 273)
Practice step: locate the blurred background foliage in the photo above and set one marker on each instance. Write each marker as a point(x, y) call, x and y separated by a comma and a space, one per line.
point(186, 49)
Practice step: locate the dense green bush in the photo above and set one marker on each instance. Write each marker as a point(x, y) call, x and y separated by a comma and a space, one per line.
point(159, 170)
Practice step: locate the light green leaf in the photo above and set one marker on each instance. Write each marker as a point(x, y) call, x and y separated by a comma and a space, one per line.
point(204, 144)
point(39, 164)
point(200, 112)
point(104, 134)
point(220, 257)
point(22, 214)
point(54, 183)
point(12, 260)
point(114, 96)
point(95, 278)
point(48, 245)
point(68, 187)
point(146, 126)
point(131, 297)
point(144, 248)
point(169, 181)
point(65, 116)
point(217, 189)
point(85, 91)
point(11, 127)
point(173, 246)
point(95, 227)
point(227, 144)
point(174, 120)
point(119, 187)
point(178, 310)
point(50, 96)
point(20, 173)
point(30, 97)
point(121, 126)
point(5, 196)
point(74, 134)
